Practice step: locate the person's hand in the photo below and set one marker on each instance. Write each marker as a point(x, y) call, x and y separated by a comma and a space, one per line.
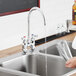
point(71, 63)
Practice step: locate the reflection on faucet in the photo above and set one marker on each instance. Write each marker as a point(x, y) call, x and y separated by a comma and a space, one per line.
point(31, 40)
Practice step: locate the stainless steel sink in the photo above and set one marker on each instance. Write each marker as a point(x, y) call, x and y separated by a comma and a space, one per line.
point(26, 63)
point(36, 63)
point(52, 49)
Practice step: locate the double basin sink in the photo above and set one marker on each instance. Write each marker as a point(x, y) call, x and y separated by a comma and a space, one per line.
point(45, 61)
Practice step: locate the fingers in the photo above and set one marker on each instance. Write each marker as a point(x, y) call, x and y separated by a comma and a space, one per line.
point(68, 62)
point(71, 63)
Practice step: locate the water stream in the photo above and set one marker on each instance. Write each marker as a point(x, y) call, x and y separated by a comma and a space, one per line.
point(45, 52)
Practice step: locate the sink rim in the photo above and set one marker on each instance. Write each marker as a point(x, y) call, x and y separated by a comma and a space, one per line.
point(15, 72)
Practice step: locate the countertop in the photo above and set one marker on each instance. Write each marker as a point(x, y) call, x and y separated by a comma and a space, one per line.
point(17, 49)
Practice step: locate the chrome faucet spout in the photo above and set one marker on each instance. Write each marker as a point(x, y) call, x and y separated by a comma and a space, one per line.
point(30, 42)
point(33, 9)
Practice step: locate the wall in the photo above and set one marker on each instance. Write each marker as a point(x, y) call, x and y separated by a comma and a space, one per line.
point(13, 27)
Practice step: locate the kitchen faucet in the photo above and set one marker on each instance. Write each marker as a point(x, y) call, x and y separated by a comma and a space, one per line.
point(30, 42)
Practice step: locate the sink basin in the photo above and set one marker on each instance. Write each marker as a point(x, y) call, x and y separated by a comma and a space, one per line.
point(26, 63)
point(38, 65)
point(52, 49)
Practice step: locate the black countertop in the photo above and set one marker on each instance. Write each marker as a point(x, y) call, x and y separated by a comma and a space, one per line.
point(49, 38)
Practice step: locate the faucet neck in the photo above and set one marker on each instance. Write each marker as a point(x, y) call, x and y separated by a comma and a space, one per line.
point(33, 9)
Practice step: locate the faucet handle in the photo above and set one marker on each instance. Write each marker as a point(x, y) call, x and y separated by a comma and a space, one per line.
point(33, 42)
point(24, 39)
point(33, 37)
point(24, 45)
